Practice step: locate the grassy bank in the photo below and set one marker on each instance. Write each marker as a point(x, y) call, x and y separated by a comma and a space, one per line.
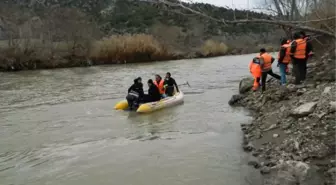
point(30, 54)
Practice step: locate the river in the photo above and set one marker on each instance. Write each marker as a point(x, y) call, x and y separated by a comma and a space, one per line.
point(58, 127)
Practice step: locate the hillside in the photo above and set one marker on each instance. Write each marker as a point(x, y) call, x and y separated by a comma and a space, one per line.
point(79, 23)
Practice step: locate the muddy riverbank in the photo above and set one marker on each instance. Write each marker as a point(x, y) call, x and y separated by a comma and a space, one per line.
point(293, 130)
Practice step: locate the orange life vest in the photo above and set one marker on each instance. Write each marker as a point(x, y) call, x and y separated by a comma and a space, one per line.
point(267, 60)
point(255, 67)
point(287, 58)
point(300, 52)
point(160, 86)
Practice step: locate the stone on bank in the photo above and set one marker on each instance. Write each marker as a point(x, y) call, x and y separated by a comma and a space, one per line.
point(245, 85)
point(332, 106)
point(304, 110)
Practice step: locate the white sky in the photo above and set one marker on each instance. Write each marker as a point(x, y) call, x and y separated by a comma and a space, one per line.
point(239, 4)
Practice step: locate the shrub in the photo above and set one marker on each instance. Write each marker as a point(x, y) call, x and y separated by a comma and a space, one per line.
point(127, 48)
point(214, 48)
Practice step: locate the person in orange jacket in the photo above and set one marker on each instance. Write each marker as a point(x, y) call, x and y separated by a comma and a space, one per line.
point(299, 53)
point(287, 66)
point(159, 83)
point(284, 59)
point(266, 61)
point(255, 70)
point(308, 40)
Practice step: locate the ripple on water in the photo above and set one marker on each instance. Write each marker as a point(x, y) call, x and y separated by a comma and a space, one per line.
point(60, 127)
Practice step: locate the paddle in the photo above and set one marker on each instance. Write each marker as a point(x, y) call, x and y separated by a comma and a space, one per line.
point(187, 83)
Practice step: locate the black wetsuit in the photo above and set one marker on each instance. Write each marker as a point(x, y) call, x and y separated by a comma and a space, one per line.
point(135, 94)
point(153, 94)
point(169, 84)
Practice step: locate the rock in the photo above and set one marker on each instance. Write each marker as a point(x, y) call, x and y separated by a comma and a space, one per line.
point(332, 170)
point(265, 170)
point(332, 106)
point(235, 98)
point(245, 85)
point(320, 116)
point(254, 163)
point(304, 110)
point(269, 163)
point(327, 90)
point(291, 88)
point(275, 135)
point(286, 125)
point(255, 154)
point(249, 147)
point(294, 173)
point(301, 91)
point(311, 65)
point(273, 126)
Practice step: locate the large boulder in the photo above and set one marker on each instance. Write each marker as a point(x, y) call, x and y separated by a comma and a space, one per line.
point(235, 98)
point(245, 85)
point(293, 173)
point(304, 110)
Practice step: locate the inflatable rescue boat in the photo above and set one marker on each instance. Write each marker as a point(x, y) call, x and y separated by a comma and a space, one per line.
point(154, 106)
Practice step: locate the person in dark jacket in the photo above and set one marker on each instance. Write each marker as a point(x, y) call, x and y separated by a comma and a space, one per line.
point(299, 53)
point(153, 92)
point(169, 85)
point(135, 94)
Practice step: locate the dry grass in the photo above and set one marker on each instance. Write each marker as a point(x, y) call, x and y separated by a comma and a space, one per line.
point(35, 53)
point(214, 48)
point(128, 48)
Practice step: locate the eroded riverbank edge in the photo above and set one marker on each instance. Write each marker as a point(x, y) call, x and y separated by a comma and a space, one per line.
point(73, 62)
point(292, 133)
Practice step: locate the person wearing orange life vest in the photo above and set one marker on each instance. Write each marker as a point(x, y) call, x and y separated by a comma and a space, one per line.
point(255, 70)
point(284, 59)
point(299, 51)
point(159, 82)
point(308, 40)
point(287, 67)
point(266, 61)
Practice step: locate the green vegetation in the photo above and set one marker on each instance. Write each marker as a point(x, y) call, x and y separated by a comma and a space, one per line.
point(64, 33)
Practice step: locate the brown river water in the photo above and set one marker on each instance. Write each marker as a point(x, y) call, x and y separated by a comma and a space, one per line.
point(58, 127)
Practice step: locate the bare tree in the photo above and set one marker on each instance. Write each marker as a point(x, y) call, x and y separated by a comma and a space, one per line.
point(289, 14)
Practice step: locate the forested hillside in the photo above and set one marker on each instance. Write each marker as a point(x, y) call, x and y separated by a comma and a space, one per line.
point(79, 27)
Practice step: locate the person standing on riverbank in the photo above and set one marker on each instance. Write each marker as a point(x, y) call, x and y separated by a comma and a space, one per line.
point(255, 70)
point(308, 40)
point(284, 59)
point(266, 61)
point(299, 53)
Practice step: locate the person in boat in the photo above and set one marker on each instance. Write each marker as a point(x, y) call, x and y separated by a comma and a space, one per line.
point(153, 93)
point(169, 84)
point(135, 94)
point(159, 83)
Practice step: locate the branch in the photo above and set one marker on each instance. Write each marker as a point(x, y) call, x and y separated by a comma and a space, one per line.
point(328, 27)
point(289, 24)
